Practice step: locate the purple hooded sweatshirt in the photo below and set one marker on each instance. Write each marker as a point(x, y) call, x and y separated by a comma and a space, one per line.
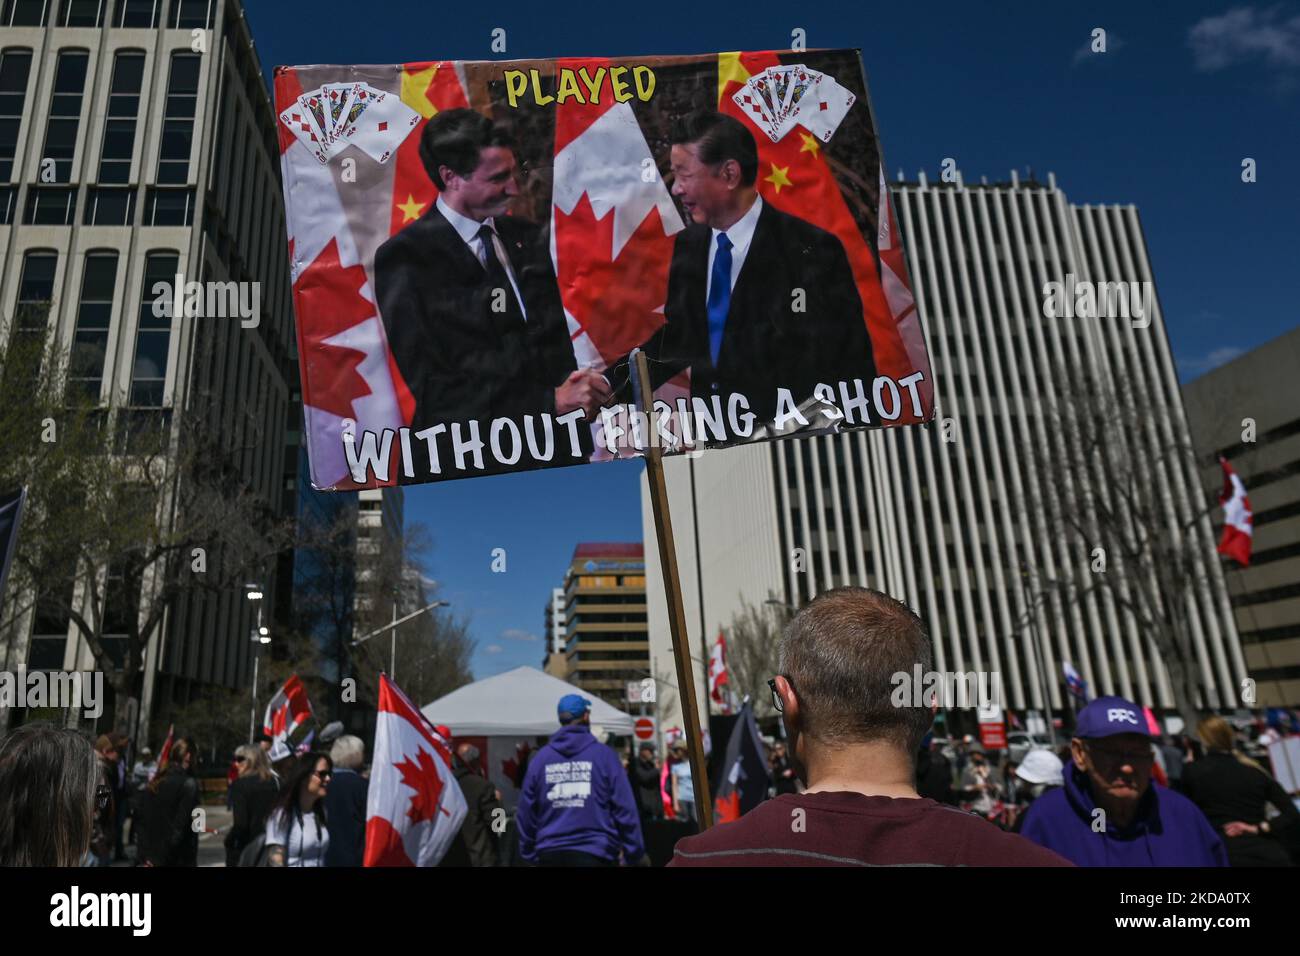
point(576, 796)
point(1169, 830)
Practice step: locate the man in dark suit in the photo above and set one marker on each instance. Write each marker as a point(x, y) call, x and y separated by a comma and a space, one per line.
point(758, 299)
point(469, 298)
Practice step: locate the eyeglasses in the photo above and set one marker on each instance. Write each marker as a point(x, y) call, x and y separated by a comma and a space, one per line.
point(241, 760)
point(102, 793)
point(777, 705)
point(324, 775)
point(1112, 759)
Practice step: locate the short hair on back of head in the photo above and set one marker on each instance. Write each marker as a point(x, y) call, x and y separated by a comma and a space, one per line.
point(841, 652)
point(348, 752)
point(454, 138)
point(719, 138)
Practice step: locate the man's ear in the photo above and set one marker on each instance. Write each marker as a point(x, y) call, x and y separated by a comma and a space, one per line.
point(731, 173)
point(791, 712)
point(1078, 754)
point(450, 178)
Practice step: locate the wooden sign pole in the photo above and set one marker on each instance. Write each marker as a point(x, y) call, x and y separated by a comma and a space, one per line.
point(673, 591)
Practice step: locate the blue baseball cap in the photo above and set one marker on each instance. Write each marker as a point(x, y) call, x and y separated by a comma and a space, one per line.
point(571, 707)
point(1108, 716)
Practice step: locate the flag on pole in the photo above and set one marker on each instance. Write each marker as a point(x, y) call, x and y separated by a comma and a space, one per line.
point(11, 516)
point(1074, 682)
point(415, 806)
point(285, 713)
point(718, 677)
point(165, 754)
point(744, 770)
point(1237, 516)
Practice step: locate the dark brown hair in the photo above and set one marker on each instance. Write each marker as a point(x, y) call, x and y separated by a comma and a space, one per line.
point(719, 138)
point(48, 782)
point(841, 653)
point(454, 138)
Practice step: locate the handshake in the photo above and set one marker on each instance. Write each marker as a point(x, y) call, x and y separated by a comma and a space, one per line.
point(586, 389)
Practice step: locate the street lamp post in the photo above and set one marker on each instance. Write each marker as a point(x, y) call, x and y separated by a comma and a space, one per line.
point(260, 636)
point(391, 626)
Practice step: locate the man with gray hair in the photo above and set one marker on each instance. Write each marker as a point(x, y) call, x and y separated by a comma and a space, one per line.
point(345, 803)
point(485, 818)
point(855, 750)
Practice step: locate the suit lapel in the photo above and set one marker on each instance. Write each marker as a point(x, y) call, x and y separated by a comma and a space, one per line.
point(763, 253)
point(448, 239)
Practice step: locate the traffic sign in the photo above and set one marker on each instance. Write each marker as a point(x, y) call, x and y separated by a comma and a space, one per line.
point(644, 728)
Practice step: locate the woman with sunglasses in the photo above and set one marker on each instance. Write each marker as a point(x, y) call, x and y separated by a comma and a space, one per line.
point(296, 834)
point(251, 797)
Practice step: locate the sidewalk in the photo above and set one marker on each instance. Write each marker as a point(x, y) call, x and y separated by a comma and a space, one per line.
point(212, 852)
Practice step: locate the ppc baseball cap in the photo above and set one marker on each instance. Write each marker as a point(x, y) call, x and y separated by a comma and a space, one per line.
point(1108, 716)
point(572, 706)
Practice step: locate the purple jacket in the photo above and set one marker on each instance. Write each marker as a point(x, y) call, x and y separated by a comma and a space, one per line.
point(576, 796)
point(1169, 830)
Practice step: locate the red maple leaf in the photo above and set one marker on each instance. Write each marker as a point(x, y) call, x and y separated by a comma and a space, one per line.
point(329, 301)
point(511, 767)
point(421, 775)
point(613, 299)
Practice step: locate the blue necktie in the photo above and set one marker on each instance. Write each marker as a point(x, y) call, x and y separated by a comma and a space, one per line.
point(719, 295)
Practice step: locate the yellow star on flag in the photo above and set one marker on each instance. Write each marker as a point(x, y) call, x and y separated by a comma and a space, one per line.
point(411, 209)
point(810, 144)
point(778, 177)
point(415, 87)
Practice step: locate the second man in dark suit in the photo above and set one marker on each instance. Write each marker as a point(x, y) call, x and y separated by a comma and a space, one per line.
point(758, 299)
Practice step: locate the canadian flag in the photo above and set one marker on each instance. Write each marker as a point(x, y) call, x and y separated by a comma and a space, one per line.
point(718, 678)
point(166, 753)
point(1237, 516)
point(285, 714)
point(350, 384)
point(415, 806)
point(612, 227)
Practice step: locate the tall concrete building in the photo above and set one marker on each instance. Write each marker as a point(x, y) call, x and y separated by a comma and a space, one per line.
point(138, 143)
point(604, 612)
point(553, 662)
point(952, 518)
point(380, 520)
point(1248, 411)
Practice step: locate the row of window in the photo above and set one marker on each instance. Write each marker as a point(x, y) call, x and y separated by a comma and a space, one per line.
point(120, 119)
point(94, 316)
point(105, 206)
point(132, 14)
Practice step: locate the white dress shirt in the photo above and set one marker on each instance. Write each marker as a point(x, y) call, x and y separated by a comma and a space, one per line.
point(468, 229)
point(741, 235)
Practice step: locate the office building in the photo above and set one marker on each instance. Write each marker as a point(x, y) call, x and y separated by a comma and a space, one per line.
point(953, 518)
point(137, 143)
point(1248, 411)
point(604, 611)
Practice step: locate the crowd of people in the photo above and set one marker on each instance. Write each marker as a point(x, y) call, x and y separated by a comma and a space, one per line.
point(856, 780)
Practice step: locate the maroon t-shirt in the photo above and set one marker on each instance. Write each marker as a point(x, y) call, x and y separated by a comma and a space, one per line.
point(843, 828)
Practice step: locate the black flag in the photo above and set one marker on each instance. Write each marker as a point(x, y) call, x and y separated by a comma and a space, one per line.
point(11, 516)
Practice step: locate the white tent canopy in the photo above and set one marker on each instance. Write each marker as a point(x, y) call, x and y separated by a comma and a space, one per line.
point(518, 703)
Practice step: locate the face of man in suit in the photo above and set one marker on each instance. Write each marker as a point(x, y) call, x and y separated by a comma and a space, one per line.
point(488, 190)
point(710, 195)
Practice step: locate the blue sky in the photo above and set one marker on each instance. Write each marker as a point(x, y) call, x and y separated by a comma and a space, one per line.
point(1162, 119)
